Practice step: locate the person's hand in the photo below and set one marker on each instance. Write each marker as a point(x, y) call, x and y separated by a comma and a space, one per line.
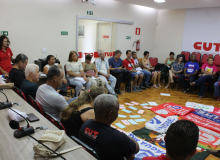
point(64, 81)
point(120, 68)
point(174, 71)
point(133, 70)
point(107, 75)
point(5, 73)
point(186, 75)
point(81, 74)
point(86, 79)
point(130, 157)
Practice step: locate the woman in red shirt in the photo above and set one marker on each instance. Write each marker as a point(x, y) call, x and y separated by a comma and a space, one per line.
point(5, 55)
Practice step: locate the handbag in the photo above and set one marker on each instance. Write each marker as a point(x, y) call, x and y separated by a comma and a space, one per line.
point(53, 139)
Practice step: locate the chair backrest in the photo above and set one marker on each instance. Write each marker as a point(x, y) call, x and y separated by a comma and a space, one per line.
point(55, 121)
point(20, 93)
point(8, 80)
point(204, 58)
point(85, 146)
point(217, 61)
point(153, 61)
point(65, 71)
point(198, 56)
point(187, 55)
point(35, 104)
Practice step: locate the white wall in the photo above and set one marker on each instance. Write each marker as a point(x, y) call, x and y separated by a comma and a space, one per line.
point(202, 25)
point(169, 33)
point(37, 24)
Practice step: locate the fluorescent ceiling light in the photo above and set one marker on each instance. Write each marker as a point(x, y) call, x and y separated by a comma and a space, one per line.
point(159, 1)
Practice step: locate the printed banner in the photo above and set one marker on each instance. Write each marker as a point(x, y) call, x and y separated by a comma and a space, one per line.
point(146, 149)
point(207, 115)
point(164, 112)
point(200, 121)
point(160, 124)
point(199, 106)
point(206, 139)
point(216, 111)
point(178, 109)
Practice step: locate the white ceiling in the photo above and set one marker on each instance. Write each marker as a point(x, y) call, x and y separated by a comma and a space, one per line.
point(175, 4)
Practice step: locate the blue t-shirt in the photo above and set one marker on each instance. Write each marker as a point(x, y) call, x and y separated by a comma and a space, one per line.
point(115, 64)
point(191, 67)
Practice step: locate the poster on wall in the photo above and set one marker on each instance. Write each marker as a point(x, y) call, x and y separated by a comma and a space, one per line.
point(201, 31)
point(81, 32)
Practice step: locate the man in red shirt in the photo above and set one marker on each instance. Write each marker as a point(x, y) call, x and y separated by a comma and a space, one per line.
point(181, 141)
point(128, 63)
point(5, 55)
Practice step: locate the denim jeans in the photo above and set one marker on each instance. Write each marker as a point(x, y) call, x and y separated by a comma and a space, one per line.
point(186, 84)
point(147, 75)
point(216, 87)
point(112, 79)
point(79, 85)
point(201, 83)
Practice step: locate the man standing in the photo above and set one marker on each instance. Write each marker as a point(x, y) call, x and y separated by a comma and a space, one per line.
point(118, 71)
point(103, 69)
point(108, 142)
point(146, 73)
point(129, 65)
point(190, 70)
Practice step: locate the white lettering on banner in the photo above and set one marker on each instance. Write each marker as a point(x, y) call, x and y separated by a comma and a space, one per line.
point(146, 148)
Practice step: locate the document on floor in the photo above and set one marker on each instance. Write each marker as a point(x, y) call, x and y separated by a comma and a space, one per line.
point(153, 104)
point(140, 120)
point(147, 107)
point(125, 122)
point(144, 104)
point(132, 108)
point(127, 111)
point(132, 121)
point(140, 111)
point(120, 125)
point(164, 94)
point(122, 116)
point(129, 104)
point(135, 116)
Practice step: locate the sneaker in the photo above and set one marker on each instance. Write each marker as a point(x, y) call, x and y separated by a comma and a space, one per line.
point(117, 91)
point(159, 85)
point(184, 91)
point(138, 89)
point(155, 86)
point(142, 87)
point(134, 89)
point(128, 89)
point(148, 86)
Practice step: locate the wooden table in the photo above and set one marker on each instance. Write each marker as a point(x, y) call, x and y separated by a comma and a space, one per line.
point(42, 79)
point(22, 149)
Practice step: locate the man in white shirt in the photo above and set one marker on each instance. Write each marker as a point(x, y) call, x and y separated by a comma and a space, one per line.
point(146, 73)
point(103, 69)
point(47, 96)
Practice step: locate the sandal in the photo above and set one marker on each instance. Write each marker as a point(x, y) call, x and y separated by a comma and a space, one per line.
point(155, 86)
point(167, 86)
point(159, 85)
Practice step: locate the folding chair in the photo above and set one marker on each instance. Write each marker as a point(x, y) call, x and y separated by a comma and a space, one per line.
point(217, 62)
point(198, 56)
point(187, 55)
point(35, 104)
point(55, 121)
point(153, 61)
point(204, 58)
point(85, 146)
point(20, 93)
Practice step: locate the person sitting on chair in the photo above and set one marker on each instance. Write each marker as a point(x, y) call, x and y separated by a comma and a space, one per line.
point(119, 72)
point(128, 63)
point(208, 72)
point(16, 75)
point(76, 73)
point(216, 89)
point(79, 111)
point(168, 63)
point(108, 142)
point(47, 96)
point(50, 60)
point(181, 141)
point(146, 73)
point(91, 72)
point(29, 85)
point(190, 71)
point(147, 66)
point(176, 69)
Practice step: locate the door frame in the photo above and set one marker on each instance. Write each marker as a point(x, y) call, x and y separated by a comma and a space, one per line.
point(95, 18)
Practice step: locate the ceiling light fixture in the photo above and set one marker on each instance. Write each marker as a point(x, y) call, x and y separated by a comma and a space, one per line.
point(159, 1)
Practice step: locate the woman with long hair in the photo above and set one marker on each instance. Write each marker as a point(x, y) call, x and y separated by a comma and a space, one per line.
point(76, 73)
point(79, 111)
point(16, 75)
point(5, 55)
point(176, 69)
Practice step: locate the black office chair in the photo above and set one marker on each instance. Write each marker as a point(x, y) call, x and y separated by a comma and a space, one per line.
point(86, 147)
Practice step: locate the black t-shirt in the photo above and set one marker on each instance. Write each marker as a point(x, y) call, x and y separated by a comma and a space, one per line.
point(29, 88)
point(16, 76)
point(108, 142)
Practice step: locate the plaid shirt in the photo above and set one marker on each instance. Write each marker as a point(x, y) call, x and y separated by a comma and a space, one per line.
point(98, 64)
point(178, 67)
